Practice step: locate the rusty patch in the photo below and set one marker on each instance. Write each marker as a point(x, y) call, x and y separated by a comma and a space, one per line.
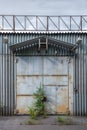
point(70, 77)
point(62, 109)
point(56, 85)
point(22, 76)
point(24, 95)
point(60, 75)
point(22, 111)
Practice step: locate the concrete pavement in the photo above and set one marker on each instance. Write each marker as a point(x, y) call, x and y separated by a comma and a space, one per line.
point(16, 123)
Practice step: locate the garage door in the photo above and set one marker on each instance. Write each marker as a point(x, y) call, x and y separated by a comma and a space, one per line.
point(52, 73)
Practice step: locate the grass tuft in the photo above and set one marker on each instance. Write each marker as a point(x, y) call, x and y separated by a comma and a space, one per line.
point(34, 122)
point(65, 120)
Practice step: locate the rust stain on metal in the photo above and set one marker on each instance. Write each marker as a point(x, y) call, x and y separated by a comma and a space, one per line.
point(22, 111)
point(55, 85)
point(42, 75)
point(62, 100)
point(22, 76)
point(24, 95)
point(62, 109)
point(70, 78)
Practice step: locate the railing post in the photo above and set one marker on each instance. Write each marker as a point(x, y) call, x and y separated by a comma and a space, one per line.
point(47, 23)
point(14, 23)
point(81, 23)
point(70, 23)
point(25, 23)
point(36, 23)
point(2, 22)
point(59, 22)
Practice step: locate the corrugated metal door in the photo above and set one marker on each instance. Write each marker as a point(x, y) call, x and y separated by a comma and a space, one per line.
point(56, 84)
point(52, 73)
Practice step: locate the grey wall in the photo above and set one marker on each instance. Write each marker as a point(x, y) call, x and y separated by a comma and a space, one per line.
point(8, 70)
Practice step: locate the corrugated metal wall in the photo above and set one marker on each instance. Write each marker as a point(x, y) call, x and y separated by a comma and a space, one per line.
point(8, 70)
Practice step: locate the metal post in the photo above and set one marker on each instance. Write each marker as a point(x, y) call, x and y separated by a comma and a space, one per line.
point(13, 23)
point(81, 23)
point(5, 78)
point(47, 23)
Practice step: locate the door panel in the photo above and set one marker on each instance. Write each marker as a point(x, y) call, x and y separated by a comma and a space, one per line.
point(56, 84)
point(55, 66)
point(55, 80)
point(50, 92)
point(27, 85)
point(23, 103)
point(62, 102)
point(29, 66)
point(52, 73)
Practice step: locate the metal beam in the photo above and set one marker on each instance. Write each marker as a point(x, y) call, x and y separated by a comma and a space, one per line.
point(29, 23)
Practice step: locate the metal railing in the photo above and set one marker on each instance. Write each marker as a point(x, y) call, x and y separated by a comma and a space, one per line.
point(42, 23)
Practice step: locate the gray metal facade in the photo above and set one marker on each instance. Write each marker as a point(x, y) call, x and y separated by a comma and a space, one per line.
point(8, 69)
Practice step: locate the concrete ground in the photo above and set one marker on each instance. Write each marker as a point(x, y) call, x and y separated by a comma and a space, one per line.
point(18, 123)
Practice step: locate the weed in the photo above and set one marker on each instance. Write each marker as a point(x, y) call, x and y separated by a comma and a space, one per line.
point(34, 122)
point(33, 112)
point(64, 120)
point(39, 106)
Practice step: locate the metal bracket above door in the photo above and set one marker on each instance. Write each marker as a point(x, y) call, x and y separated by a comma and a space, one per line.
point(43, 44)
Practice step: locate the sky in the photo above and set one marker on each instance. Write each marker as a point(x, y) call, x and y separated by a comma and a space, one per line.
point(43, 7)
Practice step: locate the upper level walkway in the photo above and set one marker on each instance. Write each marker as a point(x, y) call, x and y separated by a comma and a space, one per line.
point(32, 23)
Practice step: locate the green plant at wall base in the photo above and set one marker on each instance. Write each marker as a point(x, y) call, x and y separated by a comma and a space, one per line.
point(64, 120)
point(39, 106)
point(33, 112)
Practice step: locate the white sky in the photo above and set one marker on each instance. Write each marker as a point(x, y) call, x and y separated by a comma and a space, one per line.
point(43, 7)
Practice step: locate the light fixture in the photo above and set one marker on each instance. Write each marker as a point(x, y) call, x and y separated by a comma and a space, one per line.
point(5, 39)
point(78, 40)
point(77, 43)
